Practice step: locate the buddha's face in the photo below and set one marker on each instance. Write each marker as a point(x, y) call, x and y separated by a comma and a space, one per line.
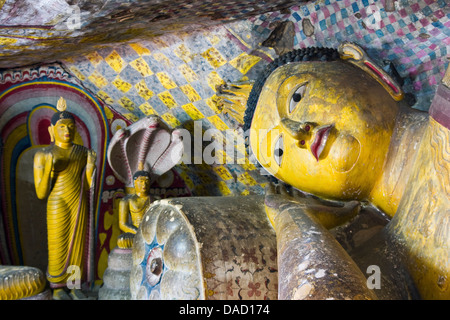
point(324, 128)
point(142, 185)
point(64, 131)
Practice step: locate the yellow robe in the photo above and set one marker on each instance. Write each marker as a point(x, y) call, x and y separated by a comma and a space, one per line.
point(67, 219)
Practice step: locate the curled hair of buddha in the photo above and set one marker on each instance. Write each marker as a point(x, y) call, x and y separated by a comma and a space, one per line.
point(61, 114)
point(299, 55)
point(141, 173)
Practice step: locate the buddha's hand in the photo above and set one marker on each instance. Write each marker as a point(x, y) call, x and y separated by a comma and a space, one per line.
point(277, 195)
point(91, 157)
point(329, 214)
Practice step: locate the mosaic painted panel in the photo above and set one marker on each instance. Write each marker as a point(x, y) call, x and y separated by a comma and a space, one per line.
point(415, 35)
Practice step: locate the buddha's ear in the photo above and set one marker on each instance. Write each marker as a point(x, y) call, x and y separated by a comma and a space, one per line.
point(51, 132)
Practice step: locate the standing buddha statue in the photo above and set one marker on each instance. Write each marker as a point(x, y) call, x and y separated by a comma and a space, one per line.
point(63, 173)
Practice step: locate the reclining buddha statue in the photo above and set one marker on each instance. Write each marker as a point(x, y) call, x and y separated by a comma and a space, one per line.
point(339, 134)
point(333, 124)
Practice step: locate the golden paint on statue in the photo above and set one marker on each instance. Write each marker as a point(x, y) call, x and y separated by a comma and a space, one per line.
point(330, 129)
point(63, 173)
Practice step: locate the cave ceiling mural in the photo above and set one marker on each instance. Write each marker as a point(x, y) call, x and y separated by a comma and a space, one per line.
point(46, 30)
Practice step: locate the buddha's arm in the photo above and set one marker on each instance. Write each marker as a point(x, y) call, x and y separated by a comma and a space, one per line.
point(42, 168)
point(329, 216)
point(308, 255)
point(90, 167)
point(124, 210)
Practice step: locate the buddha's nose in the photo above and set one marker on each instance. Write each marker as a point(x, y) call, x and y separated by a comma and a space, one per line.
point(298, 130)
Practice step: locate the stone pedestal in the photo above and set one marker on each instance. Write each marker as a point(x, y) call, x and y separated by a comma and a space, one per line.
point(116, 279)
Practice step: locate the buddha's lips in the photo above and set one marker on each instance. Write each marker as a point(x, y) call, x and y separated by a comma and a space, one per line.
point(320, 140)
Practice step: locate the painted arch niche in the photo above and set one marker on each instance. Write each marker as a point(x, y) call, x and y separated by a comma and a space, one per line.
point(25, 111)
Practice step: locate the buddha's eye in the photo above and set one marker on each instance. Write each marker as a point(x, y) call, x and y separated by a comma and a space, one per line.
point(296, 97)
point(278, 150)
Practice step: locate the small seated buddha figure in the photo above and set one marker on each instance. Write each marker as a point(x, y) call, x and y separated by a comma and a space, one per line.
point(133, 207)
point(63, 174)
point(138, 155)
point(333, 124)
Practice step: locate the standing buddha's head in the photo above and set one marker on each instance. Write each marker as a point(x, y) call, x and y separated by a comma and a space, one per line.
point(62, 129)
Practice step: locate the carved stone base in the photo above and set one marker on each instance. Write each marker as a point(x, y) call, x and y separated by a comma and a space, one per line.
point(116, 279)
